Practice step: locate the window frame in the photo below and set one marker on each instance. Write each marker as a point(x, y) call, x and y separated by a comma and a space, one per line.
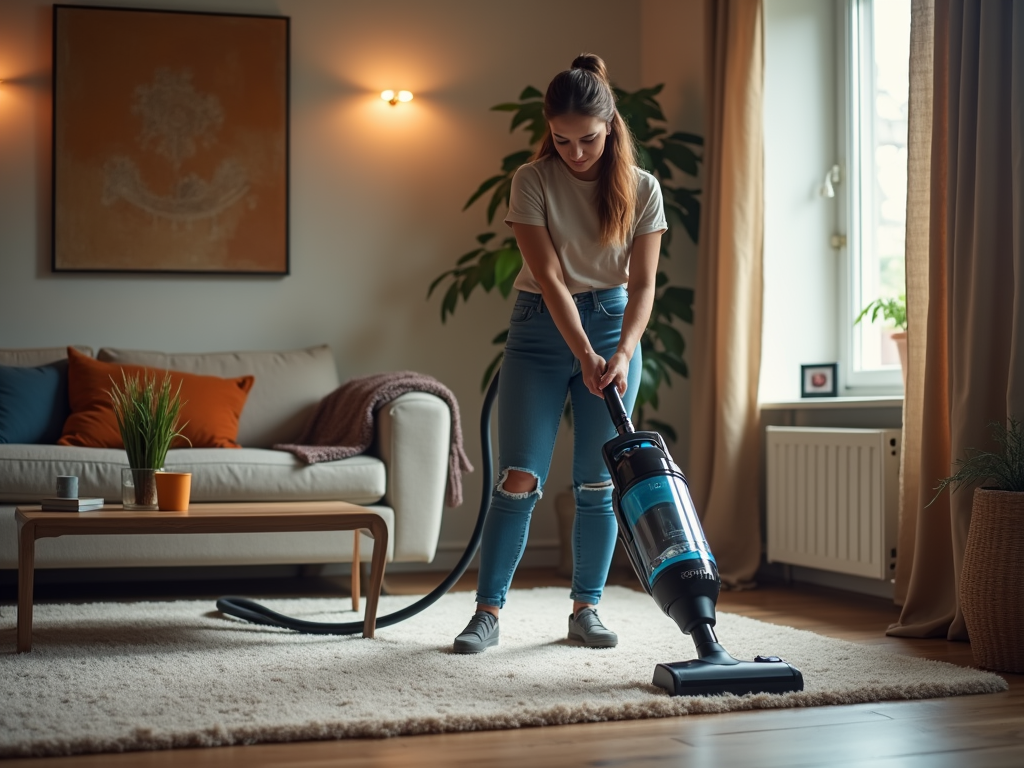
point(854, 69)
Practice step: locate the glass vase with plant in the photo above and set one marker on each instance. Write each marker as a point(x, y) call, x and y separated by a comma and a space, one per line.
point(148, 418)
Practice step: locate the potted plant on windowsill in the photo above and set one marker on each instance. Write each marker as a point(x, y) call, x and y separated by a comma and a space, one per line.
point(894, 311)
point(991, 586)
point(148, 419)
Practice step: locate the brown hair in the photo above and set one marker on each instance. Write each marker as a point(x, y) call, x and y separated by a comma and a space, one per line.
point(584, 90)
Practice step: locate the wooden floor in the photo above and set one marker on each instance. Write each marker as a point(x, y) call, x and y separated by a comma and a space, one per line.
point(959, 731)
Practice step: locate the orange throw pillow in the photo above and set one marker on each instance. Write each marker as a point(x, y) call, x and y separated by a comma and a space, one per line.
point(211, 405)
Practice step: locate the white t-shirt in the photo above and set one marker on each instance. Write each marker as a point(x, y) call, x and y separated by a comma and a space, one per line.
point(546, 194)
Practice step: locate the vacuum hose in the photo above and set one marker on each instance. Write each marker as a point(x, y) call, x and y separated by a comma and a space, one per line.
point(250, 610)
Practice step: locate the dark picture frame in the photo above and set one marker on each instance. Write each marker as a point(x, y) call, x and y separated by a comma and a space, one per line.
point(170, 141)
point(819, 380)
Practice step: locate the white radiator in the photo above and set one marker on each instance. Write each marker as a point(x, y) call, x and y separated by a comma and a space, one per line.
point(833, 497)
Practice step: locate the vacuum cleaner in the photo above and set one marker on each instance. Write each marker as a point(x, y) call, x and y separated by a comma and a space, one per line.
point(662, 536)
point(660, 531)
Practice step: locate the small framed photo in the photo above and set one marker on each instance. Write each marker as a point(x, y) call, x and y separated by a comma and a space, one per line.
point(818, 380)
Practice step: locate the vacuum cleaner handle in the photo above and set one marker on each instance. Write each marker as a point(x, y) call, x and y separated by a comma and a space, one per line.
point(617, 410)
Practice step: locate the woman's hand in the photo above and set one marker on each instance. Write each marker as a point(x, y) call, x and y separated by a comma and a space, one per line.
point(616, 372)
point(593, 368)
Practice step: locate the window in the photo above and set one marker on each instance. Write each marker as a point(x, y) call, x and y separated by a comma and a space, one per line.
point(872, 204)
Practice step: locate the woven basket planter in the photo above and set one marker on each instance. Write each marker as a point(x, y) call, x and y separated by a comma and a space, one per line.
point(992, 580)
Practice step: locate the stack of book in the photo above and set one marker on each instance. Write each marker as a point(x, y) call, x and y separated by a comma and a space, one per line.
point(71, 505)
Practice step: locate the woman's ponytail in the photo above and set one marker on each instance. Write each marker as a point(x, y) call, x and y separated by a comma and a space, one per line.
point(593, 64)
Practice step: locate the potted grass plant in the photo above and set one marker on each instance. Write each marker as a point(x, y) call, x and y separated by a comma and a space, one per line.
point(991, 586)
point(148, 418)
point(894, 312)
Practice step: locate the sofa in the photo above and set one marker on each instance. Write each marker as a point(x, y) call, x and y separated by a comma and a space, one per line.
point(402, 476)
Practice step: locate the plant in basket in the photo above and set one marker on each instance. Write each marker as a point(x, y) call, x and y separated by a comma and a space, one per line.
point(992, 580)
point(147, 416)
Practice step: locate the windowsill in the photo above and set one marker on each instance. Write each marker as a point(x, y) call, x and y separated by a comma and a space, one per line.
point(817, 403)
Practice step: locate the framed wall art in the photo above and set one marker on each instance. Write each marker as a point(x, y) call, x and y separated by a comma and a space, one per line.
point(819, 380)
point(170, 141)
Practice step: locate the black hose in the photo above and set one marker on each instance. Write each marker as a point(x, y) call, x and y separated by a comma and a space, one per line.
point(250, 610)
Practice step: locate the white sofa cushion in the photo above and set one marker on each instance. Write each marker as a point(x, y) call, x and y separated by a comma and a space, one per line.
point(218, 474)
point(32, 358)
point(288, 385)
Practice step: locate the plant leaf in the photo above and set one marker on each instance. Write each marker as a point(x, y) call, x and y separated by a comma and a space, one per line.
point(688, 138)
point(487, 262)
point(483, 190)
point(671, 339)
point(676, 363)
point(437, 280)
point(500, 196)
point(470, 279)
point(681, 156)
point(450, 298)
point(507, 263)
point(678, 301)
point(512, 162)
point(533, 110)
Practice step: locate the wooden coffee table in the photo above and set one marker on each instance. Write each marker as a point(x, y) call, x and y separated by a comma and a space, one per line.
point(263, 517)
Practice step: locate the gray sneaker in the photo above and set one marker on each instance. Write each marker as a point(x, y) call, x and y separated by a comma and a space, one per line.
point(479, 635)
point(587, 628)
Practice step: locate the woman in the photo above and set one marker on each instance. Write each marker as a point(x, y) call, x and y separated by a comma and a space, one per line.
point(588, 222)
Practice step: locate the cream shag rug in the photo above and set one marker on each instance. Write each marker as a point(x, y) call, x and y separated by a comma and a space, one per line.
point(111, 677)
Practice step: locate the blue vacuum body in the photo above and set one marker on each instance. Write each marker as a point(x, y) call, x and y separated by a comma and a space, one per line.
point(662, 535)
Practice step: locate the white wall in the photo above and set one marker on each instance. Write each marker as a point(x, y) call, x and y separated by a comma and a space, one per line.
point(800, 267)
point(376, 192)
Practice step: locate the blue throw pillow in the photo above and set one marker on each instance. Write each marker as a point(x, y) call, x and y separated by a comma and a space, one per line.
point(33, 403)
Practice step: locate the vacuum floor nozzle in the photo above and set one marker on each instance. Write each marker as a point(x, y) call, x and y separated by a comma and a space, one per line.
point(765, 674)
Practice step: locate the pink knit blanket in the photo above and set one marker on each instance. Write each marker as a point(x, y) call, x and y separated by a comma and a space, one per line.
point(343, 423)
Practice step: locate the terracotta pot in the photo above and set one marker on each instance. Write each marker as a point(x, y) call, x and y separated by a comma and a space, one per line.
point(900, 337)
point(992, 580)
point(173, 490)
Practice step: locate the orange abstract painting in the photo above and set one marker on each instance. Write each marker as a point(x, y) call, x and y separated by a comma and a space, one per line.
point(170, 142)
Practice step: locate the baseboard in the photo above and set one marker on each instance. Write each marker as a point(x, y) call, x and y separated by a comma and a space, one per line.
point(779, 572)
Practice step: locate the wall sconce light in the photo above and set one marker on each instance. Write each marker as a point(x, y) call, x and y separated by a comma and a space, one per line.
point(832, 176)
point(393, 97)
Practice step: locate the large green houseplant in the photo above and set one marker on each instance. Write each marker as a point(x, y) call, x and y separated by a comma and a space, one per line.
point(495, 261)
point(991, 585)
point(148, 418)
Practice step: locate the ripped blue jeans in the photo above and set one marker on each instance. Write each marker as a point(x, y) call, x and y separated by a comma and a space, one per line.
point(538, 371)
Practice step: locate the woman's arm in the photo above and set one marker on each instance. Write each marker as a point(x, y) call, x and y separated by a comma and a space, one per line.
point(540, 256)
point(643, 269)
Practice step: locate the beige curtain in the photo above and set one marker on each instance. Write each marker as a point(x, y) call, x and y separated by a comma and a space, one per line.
point(965, 282)
point(725, 439)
